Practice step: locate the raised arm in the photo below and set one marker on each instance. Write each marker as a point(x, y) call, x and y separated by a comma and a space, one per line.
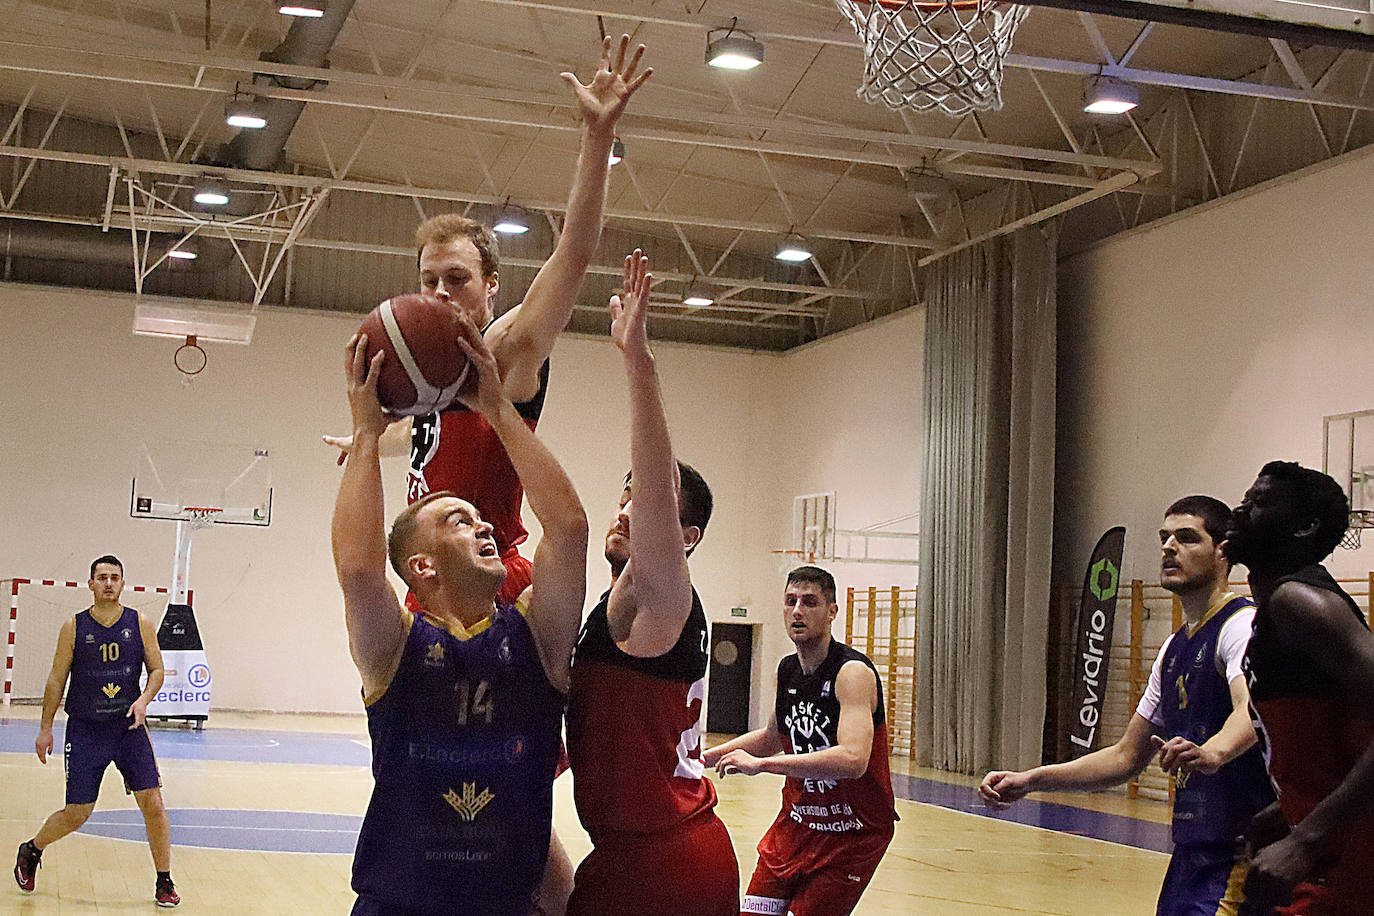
point(52, 690)
point(524, 337)
point(376, 625)
point(152, 660)
point(1318, 624)
point(559, 577)
point(654, 594)
point(856, 687)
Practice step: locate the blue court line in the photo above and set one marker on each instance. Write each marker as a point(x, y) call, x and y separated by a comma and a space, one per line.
point(236, 745)
point(1114, 828)
point(256, 831)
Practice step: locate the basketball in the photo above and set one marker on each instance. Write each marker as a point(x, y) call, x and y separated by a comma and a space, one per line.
point(423, 368)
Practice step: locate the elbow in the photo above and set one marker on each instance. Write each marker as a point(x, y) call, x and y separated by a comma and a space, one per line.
point(854, 766)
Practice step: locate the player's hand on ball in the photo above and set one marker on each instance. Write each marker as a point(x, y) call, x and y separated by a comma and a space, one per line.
point(368, 416)
point(1000, 788)
point(741, 762)
point(603, 100)
point(42, 745)
point(482, 391)
point(630, 311)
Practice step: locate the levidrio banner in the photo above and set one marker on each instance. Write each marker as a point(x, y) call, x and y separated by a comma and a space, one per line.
point(1096, 614)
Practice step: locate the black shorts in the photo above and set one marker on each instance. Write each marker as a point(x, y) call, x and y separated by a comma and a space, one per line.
point(92, 746)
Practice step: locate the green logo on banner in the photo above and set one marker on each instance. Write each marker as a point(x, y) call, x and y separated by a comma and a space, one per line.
point(1101, 592)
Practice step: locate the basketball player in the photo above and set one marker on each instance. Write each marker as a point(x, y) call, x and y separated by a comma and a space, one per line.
point(828, 736)
point(1311, 670)
point(464, 699)
point(638, 678)
point(103, 649)
point(457, 450)
point(1194, 714)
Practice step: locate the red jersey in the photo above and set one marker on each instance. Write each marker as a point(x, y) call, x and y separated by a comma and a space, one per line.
point(826, 820)
point(1312, 732)
point(634, 731)
point(458, 450)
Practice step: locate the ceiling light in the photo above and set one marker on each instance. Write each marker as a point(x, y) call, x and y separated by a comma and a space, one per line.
point(617, 151)
point(698, 301)
point(1105, 95)
point(509, 225)
point(246, 112)
point(182, 254)
point(733, 50)
point(697, 296)
point(303, 8)
point(794, 250)
point(211, 192)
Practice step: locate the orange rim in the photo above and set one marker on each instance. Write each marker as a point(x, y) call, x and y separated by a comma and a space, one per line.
point(898, 4)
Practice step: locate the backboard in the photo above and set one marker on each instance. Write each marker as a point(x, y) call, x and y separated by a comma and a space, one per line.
point(1348, 455)
point(172, 477)
point(1341, 23)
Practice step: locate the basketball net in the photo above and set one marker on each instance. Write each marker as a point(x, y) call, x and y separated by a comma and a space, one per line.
point(1359, 520)
point(946, 55)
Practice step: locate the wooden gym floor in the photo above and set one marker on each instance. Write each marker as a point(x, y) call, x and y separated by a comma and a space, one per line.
point(265, 810)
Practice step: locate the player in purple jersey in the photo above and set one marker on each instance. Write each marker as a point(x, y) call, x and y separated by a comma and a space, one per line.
point(104, 648)
point(464, 698)
point(1194, 715)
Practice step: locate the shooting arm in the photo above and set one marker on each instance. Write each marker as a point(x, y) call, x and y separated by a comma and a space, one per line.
point(376, 625)
point(559, 578)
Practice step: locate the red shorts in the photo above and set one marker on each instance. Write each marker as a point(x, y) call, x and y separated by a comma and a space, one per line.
point(519, 575)
point(689, 871)
point(832, 889)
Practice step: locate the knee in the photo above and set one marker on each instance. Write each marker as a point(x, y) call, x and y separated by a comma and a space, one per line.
point(150, 803)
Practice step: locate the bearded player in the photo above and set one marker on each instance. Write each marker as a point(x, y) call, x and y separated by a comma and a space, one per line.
point(1310, 665)
point(638, 678)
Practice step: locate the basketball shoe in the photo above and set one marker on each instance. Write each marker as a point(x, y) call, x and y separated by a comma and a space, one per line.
point(166, 894)
point(26, 866)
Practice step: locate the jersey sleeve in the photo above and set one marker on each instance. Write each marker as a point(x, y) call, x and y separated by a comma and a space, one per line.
point(1148, 707)
point(1232, 642)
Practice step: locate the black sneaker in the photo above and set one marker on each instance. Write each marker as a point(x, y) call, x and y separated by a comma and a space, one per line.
point(26, 866)
point(166, 893)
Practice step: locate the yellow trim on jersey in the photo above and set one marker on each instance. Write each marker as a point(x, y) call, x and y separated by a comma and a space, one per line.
point(407, 621)
point(522, 604)
point(1229, 904)
point(456, 628)
point(1212, 611)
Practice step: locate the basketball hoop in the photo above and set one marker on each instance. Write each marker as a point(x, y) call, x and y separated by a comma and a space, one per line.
point(190, 358)
point(1359, 520)
point(925, 55)
point(789, 559)
point(200, 517)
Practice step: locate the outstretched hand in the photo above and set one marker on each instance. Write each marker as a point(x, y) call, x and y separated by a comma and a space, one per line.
point(482, 391)
point(630, 312)
point(603, 100)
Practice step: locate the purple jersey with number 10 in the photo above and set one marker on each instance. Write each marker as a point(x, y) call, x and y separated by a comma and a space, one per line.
point(106, 663)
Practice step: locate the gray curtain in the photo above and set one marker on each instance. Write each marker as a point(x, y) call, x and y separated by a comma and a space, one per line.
point(988, 504)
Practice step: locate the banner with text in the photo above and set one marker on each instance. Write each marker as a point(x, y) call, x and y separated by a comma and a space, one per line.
point(1096, 614)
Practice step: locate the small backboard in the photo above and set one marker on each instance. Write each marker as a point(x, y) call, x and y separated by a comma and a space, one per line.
point(1339, 23)
point(1348, 456)
point(177, 480)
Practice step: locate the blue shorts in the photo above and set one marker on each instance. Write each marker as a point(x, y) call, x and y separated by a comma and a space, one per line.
point(92, 746)
point(1204, 880)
